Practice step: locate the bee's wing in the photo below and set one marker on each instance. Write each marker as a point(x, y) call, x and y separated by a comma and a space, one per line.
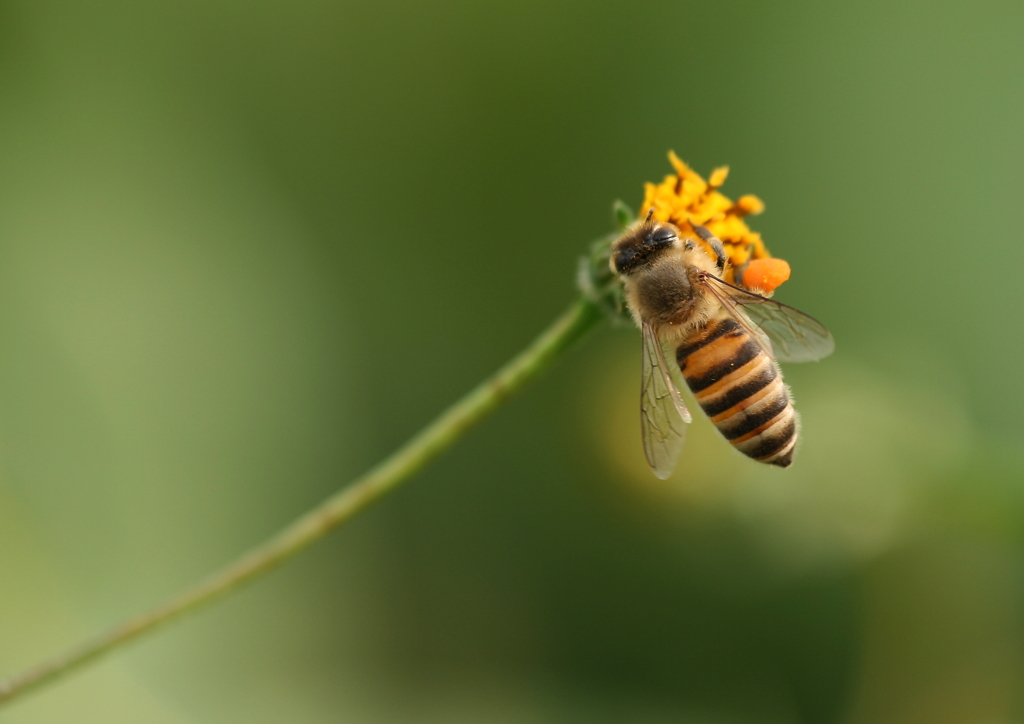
point(794, 336)
point(662, 412)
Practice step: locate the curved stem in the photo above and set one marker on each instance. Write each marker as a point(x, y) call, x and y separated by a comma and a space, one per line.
point(401, 465)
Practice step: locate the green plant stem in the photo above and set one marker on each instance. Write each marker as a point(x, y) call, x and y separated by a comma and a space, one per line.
point(394, 470)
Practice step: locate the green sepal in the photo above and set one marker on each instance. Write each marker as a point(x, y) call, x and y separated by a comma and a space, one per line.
point(595, 277)
point(622, 214)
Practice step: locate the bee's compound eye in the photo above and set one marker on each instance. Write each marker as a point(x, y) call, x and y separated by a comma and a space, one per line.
point(662, 235)
point(624, 259)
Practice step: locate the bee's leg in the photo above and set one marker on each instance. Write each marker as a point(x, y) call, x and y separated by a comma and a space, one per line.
point(711, 239)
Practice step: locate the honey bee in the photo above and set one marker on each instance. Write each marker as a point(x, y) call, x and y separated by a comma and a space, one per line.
point(727, 341)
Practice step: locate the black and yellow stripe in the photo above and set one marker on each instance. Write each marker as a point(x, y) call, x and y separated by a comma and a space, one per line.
point(741, 390)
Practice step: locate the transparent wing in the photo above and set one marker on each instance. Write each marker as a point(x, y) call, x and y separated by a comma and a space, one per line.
point(662, 412)
point(794, 336)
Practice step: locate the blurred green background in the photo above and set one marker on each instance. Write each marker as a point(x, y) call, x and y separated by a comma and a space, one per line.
point(248, 248)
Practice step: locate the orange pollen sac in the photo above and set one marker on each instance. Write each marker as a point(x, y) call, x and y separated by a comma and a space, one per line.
point(685, 198)
point(765, 275)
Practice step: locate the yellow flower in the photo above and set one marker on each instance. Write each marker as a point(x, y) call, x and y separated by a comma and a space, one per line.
point(684, 198)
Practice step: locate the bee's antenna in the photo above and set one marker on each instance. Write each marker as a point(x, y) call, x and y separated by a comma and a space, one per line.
point(650, 213)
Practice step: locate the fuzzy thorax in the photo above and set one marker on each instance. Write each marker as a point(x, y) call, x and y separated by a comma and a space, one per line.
point(660, 271)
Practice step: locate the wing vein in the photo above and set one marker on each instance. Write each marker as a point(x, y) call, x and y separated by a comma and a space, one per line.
point(662, 411)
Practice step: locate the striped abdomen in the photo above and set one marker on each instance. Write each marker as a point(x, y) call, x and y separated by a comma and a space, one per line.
point(741, 390)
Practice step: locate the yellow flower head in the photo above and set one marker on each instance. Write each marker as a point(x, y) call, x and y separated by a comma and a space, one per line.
point(684, 199)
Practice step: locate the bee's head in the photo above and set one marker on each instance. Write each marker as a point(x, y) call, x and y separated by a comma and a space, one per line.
point(642, 244)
